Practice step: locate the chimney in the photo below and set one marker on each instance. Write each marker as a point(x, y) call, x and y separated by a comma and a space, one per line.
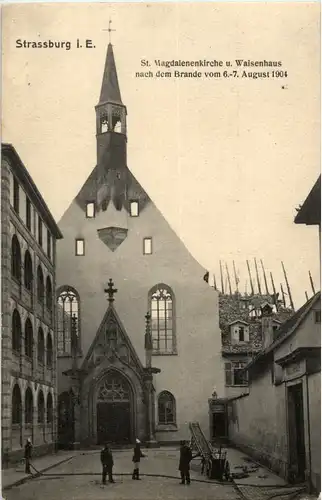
point(267, 325)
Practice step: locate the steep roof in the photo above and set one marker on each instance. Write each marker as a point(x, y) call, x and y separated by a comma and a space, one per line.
point(110, 90)
point(9, 152)
point(310, 211)
point(287, 328)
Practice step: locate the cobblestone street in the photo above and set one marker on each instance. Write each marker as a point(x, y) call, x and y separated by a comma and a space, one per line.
point(79, 479)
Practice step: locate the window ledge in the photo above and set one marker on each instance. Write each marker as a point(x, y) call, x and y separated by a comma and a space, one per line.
point(166, 428)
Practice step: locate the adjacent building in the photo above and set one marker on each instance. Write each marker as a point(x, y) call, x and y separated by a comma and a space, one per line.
point(278, 420)
point(28, 343)
point(138, 329)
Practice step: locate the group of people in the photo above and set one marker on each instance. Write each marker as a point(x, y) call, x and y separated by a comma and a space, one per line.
point(108, 462)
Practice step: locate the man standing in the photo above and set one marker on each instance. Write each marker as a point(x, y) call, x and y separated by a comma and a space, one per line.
point(137, 455)
point(184, 464)
point(107, 464)
point(28, 449)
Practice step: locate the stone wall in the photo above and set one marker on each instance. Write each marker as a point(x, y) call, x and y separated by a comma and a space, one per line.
point(257, 423)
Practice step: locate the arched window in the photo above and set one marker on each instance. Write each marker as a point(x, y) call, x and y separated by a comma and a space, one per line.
point(16, 405)
point(68, 317)
point(41, 346)
point(49, 408)
point(40, 285)
point(49, 351)
point(15, 258)
point(28, 276)
point(49, 294)
point(162, 320)
point(16, 331)
point(41, 408)
point(29, 408)
point(166, 408)
point(29, 338)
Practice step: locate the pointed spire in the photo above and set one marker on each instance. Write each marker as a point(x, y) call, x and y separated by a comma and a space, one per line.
point(110, 91)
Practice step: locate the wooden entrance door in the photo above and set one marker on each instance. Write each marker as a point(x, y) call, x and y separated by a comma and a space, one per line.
point(114, 410)
point(113, 423)
point(296, 433)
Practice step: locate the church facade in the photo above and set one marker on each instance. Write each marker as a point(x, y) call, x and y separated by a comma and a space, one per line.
point(139, 343)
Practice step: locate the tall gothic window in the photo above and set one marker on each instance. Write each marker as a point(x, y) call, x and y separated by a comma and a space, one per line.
point(16, 405)
point(16, 331)
point(28, 406)
point(49, 408)
point(28, 274)
point(40, 285)
point(162, 320)
point(15, 258)
point(166, 408)
point(49, 351)
point(67, 309)
point(28, 338)
point(49, 295)
point(41, 408)
point(41, 346)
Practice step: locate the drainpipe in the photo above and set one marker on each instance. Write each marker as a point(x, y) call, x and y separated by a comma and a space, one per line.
point(309, 434)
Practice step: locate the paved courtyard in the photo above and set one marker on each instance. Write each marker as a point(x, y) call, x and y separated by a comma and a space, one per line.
point(79, 479)
point(76, 475)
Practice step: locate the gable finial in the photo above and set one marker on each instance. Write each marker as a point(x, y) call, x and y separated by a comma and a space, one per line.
point(111, 291)
point(109, 29)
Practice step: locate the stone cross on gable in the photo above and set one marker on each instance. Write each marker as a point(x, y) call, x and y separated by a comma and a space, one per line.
point(111, 291)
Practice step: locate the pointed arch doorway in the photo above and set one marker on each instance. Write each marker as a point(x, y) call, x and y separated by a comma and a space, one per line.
point(114, 410)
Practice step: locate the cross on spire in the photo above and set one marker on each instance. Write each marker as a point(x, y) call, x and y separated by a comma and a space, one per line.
point(109, 29)
point(110, 290)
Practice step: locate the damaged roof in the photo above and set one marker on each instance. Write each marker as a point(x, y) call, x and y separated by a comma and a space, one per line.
point(287, 328)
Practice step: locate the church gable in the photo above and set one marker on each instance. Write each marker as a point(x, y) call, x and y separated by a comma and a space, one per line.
point(112, 343)
point(112, 184)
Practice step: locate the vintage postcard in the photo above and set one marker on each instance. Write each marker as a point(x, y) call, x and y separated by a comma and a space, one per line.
point(160, 238)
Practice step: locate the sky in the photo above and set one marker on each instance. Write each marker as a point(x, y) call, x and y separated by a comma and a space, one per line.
point(226, 160)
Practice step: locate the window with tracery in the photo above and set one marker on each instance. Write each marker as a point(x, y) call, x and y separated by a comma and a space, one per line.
point(166, 408)
point(114, 389)
point(103, 123)
point(162, 318)
point(68, 318)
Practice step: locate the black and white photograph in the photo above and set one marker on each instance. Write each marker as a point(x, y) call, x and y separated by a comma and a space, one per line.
point(160, 251)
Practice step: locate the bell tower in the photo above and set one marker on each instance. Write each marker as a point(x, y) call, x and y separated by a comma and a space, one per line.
point(110, 114)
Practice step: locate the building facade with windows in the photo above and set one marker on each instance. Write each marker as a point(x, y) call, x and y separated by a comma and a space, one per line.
point(122, 374)
point(28, 343)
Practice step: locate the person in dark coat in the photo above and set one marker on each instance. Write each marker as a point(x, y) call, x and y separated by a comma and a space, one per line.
point(28, 450)
point(184, 464)
point(107, 464)
point(137, 455)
